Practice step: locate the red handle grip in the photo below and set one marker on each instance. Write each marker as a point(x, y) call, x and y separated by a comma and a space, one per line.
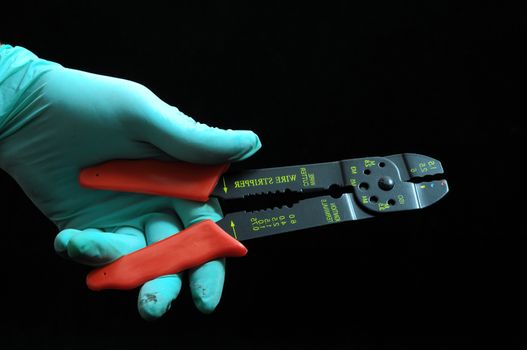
point(189, 248)
point(174, 179)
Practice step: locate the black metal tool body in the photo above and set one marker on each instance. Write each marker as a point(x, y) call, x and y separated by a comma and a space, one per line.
point(375, 186)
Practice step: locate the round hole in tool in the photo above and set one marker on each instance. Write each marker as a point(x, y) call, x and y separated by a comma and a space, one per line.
point(364, 186)
point(374, 199)
point(391, 201)
point(367, 171)
point(97, 174)
point(382, 164)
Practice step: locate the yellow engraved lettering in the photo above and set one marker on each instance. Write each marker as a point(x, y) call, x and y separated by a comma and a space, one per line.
point(303, 175)
point(312, 179)
point(365, 199)
point(258, 224)
point(353, 170)
point(369, 163)
point(285, 179)
point(308, 179)
point(335, 212)
point(327, 212)
point(353, 182)
point(384, 206)
point(261, 181)
point(401, 199)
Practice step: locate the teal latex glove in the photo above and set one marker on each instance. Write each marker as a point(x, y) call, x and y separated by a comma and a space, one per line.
point(55, 121)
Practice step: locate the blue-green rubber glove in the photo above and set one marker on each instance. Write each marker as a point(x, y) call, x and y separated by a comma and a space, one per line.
point(55, 121)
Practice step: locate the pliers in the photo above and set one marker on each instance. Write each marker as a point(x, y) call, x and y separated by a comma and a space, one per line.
point(370, 187)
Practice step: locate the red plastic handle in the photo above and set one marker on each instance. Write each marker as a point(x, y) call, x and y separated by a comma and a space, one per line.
point(174, 179)
point(189, 248)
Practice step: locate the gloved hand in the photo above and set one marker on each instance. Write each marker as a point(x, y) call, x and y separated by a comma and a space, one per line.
point(55, 121)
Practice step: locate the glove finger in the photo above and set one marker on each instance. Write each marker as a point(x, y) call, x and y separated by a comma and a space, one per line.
point(206, 285)
point(206, 281)
point(183, 138)
point(96, 247)
point(156, 296)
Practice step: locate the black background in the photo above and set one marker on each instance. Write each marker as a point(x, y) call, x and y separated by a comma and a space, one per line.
point(317, 82)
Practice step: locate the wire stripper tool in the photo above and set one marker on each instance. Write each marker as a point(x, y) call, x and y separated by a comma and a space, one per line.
point(371, 187)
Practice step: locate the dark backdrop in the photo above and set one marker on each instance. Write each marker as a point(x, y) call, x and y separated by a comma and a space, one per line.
point(318, 82)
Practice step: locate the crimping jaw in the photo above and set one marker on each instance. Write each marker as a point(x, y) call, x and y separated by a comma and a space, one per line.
point(398, 182)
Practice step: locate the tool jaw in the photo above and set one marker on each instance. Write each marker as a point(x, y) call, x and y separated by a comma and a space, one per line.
point(395, 183)
point(426, 174)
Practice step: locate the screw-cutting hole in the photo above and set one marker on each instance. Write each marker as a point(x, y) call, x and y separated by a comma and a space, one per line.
point(374, 199)
point(364, 186)
point(367, 172)
point(391, 201)
point(97, 174)
point(382, 164)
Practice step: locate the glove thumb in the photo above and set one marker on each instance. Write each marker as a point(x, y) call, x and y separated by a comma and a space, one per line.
point(185, 139)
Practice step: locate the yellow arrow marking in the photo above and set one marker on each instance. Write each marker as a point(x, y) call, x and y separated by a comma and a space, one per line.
point(233, 229)
point(225, 189)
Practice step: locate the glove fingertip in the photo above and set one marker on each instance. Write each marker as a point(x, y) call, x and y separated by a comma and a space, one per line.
point(206, 284)
point(150, 309)
point(62, 239)
point(206, 306)
point(249, 144)
point(156, 296)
